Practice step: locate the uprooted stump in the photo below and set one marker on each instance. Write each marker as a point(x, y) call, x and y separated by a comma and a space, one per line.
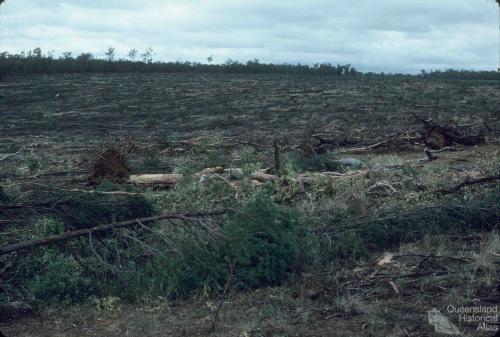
point(436, 136)
point(110, 165)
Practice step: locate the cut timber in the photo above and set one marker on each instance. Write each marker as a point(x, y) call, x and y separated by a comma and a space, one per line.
point(258, 177)
point(211, 170)
point(263, 177)
point(155, 179)
point(170, 179)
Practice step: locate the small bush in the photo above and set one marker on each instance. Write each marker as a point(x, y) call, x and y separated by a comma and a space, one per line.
point(262, 247)
point(61, 281)
point(33, 163)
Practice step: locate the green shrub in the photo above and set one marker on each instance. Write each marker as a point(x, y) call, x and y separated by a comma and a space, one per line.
point(262, 246)
point(60, 281)
point(33, 163)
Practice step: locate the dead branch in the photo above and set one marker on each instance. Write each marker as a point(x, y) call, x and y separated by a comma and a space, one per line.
point(376, 145)
point(9, 248)
point(25, 205)
point(308, 178)
point(79, 190)
point(469, 181)
point(432, 256)
point(13, 154)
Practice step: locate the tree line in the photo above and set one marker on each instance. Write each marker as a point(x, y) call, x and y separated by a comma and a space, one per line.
point(37, 62)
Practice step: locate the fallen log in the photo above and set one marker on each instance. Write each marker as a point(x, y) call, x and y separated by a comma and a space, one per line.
point(155, 179)
point(9, 248)
point(170, 179)
point(263, 177)
point(258, 178)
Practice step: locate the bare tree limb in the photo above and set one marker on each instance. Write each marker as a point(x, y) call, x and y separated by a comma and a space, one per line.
point(9, 248)
point(468, 182)
point(13, 154)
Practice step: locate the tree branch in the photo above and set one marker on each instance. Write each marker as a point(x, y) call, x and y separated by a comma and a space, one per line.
point(468, 182)
point(9, 248)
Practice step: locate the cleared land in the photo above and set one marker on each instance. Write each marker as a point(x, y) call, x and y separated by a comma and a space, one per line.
point(446, 250)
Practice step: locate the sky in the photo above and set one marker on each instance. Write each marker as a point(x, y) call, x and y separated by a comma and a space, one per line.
point(380, 36)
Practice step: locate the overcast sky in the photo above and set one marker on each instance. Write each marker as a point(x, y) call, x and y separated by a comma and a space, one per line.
point(384, 35)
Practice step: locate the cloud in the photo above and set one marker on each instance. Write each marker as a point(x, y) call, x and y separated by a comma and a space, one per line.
point(387, 35)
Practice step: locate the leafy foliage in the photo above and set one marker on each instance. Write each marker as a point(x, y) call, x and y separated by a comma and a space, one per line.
point(60, 281)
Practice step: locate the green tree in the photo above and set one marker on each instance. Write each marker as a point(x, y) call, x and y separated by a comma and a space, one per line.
point(147, 56)
point(37, 53)
point(67, 55)
point(84, 57)
point(132, 54)
point(110, 54)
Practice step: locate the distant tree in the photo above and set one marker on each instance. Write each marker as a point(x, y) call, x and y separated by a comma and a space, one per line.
point(85, 57)
point(147, 56)
point(132, 54)
point(110, 54)
point(67, 55)
point(37, 53)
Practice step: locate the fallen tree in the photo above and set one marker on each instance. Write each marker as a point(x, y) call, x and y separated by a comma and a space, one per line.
point(170, 179)
point(9, 248)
